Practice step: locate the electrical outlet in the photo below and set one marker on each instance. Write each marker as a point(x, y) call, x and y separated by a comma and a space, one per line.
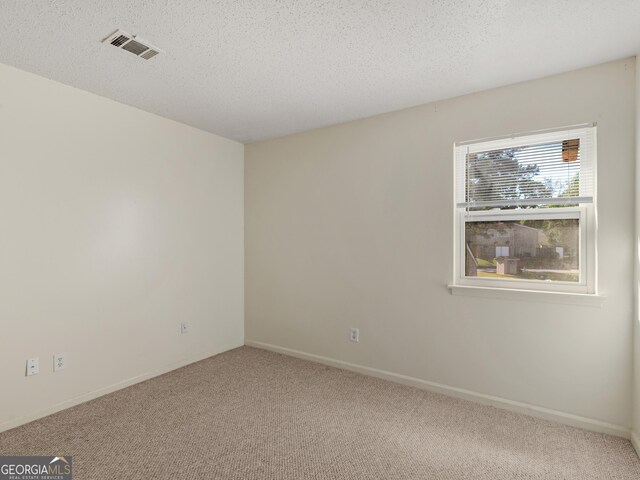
point(355, 335)
point(59, 361)
point(184, 328)
point(33, 366)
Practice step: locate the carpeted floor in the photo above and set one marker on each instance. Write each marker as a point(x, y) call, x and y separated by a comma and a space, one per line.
point(252, 414)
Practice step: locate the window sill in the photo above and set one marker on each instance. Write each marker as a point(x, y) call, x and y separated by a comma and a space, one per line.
point(538, 296)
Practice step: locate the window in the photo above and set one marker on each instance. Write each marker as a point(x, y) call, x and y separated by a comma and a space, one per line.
point(525, 209)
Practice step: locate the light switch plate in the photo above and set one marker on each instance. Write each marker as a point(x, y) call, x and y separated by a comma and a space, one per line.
point(33, 366)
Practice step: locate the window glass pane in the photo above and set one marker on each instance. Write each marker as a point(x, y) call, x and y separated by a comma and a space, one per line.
point(506, 177)
point(523, 249)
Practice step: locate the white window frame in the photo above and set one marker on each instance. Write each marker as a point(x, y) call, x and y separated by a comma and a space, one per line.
point(585, 213)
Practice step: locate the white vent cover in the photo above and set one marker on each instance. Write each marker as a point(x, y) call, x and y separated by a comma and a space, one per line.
point(132, 44)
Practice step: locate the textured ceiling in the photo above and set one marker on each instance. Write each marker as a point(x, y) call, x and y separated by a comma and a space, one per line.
point(256, 69)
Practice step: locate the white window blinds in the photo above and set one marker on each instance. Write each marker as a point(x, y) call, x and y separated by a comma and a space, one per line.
point(553, 168)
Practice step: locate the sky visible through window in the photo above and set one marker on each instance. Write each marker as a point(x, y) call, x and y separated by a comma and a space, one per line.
point(552, 172)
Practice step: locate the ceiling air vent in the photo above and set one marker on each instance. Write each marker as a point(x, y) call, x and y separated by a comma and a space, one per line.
point(132, 44)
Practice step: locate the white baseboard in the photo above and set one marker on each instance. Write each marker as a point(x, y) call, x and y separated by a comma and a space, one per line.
point(503, 403)
point(635, 441)
point(72, 402)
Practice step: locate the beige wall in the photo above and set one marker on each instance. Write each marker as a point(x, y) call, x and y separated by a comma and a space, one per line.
point(636, 370)
point(116, 225)
point(351, 225)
